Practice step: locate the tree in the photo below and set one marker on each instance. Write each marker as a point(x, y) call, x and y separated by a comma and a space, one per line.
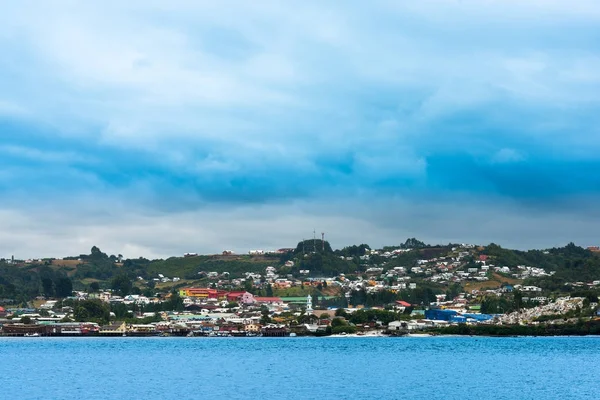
point(413, 243)
point(269, 290)
point(121, 311)
point(92, 310)
point(122, 284)
point(265, 319)
point(313, 246)
point(94, 287)
point(517, 300)
point(48, 287)
point(26, 320)
point(341, 312)
point(64, 287)
point(95, 253)
point(175, 303)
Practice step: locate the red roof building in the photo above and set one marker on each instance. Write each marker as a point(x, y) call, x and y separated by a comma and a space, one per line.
point(403, 303)
point(234, 296)
point(268, 300)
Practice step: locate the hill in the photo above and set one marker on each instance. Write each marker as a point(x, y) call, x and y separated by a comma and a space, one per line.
point(23, 281)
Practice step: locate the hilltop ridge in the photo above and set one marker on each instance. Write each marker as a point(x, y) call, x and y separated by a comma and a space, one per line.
point(411, 270)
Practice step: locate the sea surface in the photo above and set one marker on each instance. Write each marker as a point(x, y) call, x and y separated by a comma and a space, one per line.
point(300, 368)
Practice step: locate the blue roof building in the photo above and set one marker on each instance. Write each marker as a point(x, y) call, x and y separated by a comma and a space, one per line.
point(439, 314)
point(454, 317)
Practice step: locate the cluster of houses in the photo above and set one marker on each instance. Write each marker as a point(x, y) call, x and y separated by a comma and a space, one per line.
point(561, 306)
point(215, 312)
point(254, 317)
point(456, 268)
point(524, 272)
point(220, 310)
point(590, 285)
point(162, 278)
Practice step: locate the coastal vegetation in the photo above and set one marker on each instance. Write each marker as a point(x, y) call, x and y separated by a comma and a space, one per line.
point(579, 328)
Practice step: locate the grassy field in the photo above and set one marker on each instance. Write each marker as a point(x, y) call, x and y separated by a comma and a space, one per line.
point(66, 263)
point(87, 281)
point(188, 267)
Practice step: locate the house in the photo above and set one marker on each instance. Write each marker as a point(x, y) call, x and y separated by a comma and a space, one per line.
point(268, 300)
point(141, 328)
point(234, 296)
point(274, 330)
point(203, 293)
point(397, 326)
point(22, 330)
point(253, 328)
point(247, 298)
point(401, 305)
point(118, 328)
point(507, 289)
point(531, 289)
point(3, 312)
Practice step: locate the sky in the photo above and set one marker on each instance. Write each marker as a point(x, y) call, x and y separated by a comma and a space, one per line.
point(152, 128)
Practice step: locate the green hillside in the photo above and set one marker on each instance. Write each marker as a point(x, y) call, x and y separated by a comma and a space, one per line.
point(188, 267)
point(22, 281)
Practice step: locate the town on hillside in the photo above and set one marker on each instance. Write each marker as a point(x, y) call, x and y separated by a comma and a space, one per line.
point(311, 289)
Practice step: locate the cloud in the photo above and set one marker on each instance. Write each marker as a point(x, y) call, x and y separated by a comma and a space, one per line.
point(178, 108)
point(507, 155)
point(133, 230)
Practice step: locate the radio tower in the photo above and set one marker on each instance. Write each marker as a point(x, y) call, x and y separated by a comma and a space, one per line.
point(314, 241)
point(323, 241)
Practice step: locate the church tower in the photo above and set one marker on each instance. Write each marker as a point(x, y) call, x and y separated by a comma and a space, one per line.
point(309, 308)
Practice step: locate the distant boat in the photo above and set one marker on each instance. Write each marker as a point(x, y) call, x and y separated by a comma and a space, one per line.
point(32, 334)
point(292, 334)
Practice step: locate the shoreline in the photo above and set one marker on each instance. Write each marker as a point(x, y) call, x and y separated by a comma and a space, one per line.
point(336, 336)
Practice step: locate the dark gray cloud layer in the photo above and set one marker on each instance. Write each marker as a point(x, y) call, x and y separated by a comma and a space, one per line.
point(463, 121)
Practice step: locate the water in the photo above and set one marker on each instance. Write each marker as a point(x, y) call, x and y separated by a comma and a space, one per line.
point(300, 368)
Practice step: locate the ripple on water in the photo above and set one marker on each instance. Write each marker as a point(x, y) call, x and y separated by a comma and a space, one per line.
point(300, 368)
